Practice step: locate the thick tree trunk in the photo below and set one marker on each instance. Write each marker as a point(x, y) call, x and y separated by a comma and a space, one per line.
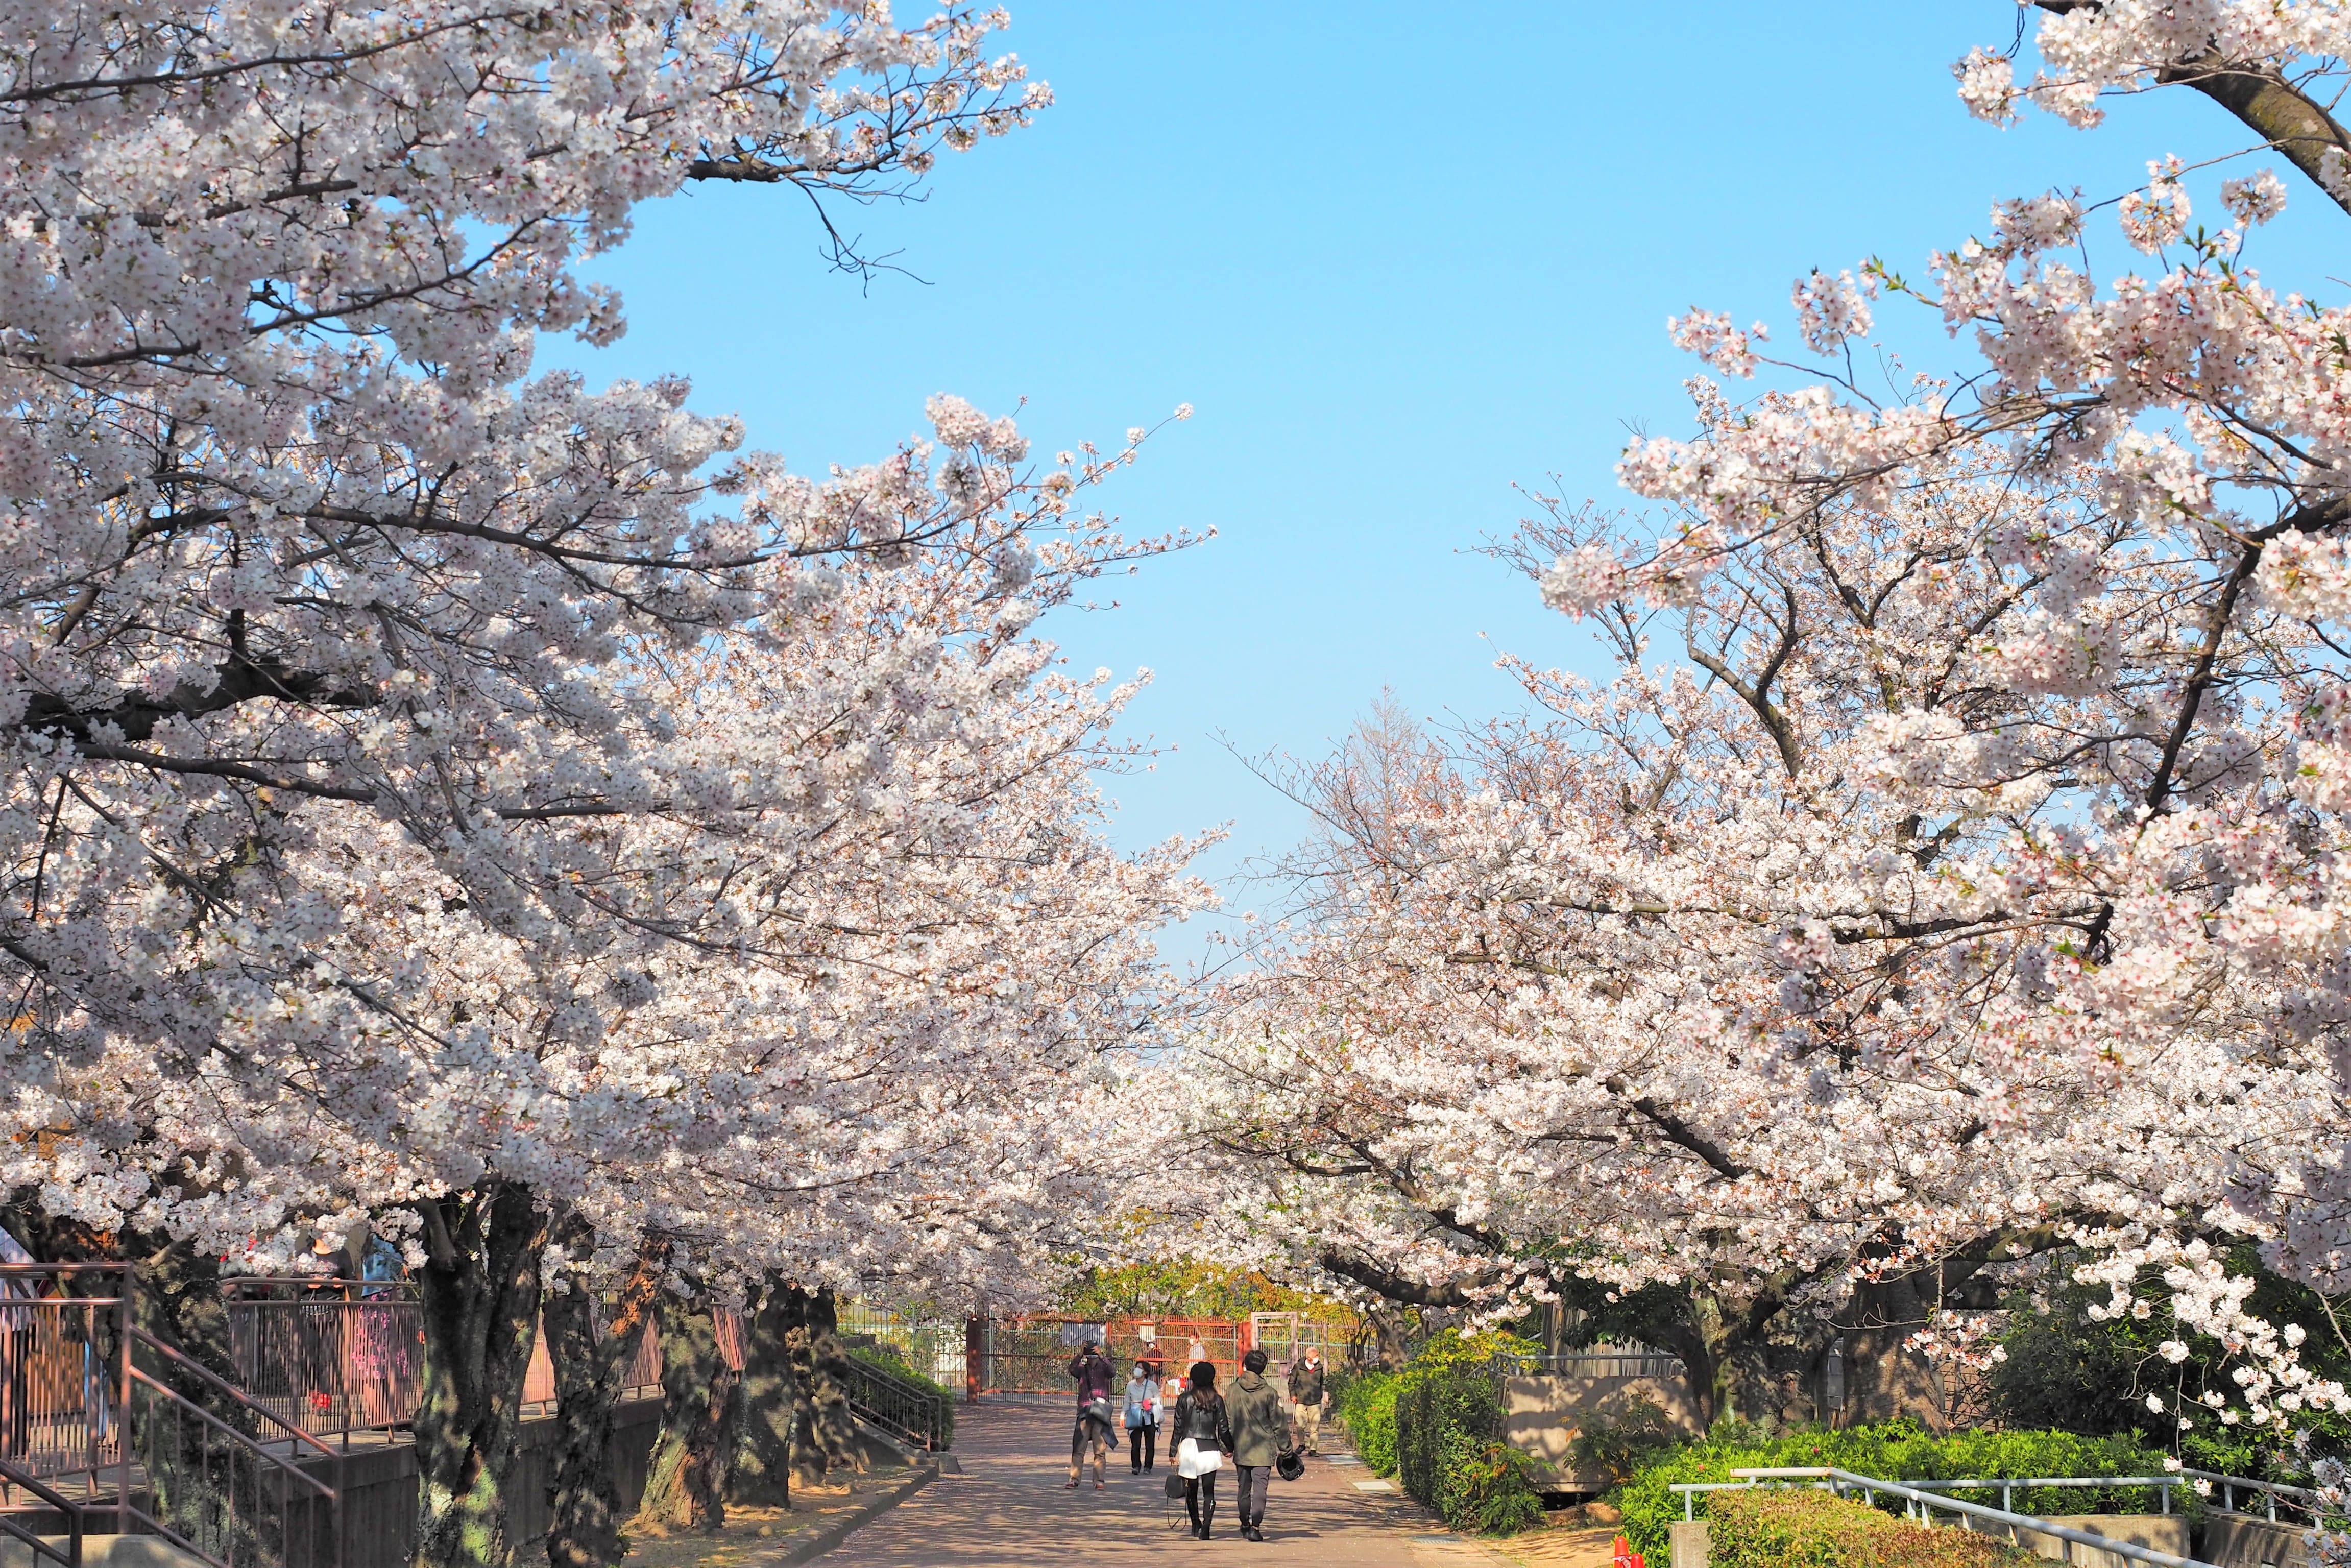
point(768, 1401)
point(583, 1499)
point(808, 1465)
point(836, 1428)
point(479, 1292)
point(1883, 1379)
point(685, 1478)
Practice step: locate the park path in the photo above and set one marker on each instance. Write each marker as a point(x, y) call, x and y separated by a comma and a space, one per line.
point(1008, 1507)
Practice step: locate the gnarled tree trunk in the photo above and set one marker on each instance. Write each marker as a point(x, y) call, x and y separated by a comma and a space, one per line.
point(836, 1428)
point(767, 1400)
point(685, 1478)
point(583, 1499)
point(479, 1292)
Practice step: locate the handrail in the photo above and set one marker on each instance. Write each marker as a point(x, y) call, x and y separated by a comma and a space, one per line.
point(931, 1434)
point(220, 1385)
point(1835, 1479)
point(2307, 1499)
point(65, 1556)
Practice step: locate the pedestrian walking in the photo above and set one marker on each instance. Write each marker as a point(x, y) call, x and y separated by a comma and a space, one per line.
point(1142, 1419)
point(1308, 1391)
point(1094, 1373)
point(1203, 1435)
point(1254, 1411)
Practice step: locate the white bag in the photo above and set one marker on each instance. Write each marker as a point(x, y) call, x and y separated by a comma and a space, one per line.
point(1192, 1460)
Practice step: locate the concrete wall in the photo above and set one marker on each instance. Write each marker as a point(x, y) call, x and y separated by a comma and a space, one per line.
point(2163, 1533)
point(2233, 1542)
point(1543, 1416)
point(378, 1486)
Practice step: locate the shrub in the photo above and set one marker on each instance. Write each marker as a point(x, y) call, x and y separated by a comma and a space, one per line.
point(1448, 1448)
point(1895, 1451)
point(1368, 1409)
point(1485, 1485)
point(1808, 1528)
point(1616, 1448)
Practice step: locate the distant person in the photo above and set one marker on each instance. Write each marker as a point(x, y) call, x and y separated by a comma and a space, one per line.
point(1094, 1373)
point(1142, 1419)
point(1254, 1410)
point(1203, 1435)
point(1308, 1391)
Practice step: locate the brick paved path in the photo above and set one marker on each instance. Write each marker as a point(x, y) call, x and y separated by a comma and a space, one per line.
point(1008, 1507)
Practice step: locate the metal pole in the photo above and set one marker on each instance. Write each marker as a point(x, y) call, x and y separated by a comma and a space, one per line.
point(130, 1278)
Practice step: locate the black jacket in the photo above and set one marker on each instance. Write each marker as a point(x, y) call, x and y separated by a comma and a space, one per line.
point(1201, 1418)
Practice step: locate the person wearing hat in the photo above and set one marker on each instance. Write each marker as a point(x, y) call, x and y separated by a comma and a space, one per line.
point(1094, 1375)
point(1254, 1408)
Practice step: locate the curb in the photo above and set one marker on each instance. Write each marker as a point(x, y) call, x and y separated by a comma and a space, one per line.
point(818, 1542)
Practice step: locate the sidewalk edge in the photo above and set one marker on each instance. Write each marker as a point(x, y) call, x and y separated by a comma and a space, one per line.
point(818, 1542)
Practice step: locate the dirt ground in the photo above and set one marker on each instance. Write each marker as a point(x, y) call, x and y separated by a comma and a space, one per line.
point(750, 1529)
point(1574, 1539)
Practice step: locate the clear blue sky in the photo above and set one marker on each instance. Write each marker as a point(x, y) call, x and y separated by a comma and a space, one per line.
point(1400, 257)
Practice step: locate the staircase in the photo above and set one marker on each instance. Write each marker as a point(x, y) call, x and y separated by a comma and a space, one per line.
point(115, 1447)
point(920, 1417)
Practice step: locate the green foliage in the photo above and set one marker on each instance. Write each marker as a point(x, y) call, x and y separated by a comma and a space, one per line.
point(1808, 1528)
point(1447, 1436)
point(1617, 1447)
point(2065, 1369)
point(1367, 1406)
point(886, 1356)
point(1187, 1290)
point(1485, 1485)
point(1895, 1451)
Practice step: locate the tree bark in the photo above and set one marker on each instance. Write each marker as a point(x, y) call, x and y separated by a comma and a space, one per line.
point(1883, 1379)
point(836, 1428)
point(583, 1499)
point(769, 1399)
point(807, 1464)
point(685, 1478)
point(479, 1292)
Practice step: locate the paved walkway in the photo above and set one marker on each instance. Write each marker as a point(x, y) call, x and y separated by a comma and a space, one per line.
point(1008, 1507)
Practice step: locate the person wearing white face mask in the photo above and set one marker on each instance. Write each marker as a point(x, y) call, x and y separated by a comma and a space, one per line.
point(1142, 1419)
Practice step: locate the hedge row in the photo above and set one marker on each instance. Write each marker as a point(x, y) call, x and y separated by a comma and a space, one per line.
point(1895, 1451)
point(1808, 1528)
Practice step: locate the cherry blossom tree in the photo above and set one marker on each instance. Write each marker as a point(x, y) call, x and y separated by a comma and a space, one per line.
point(1959, 874)
point(495, 813)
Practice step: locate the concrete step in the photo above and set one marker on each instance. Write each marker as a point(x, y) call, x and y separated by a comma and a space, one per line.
point(104, 1552)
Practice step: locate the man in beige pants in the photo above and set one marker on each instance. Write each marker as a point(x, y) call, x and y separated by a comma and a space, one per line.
point(1306, 1396)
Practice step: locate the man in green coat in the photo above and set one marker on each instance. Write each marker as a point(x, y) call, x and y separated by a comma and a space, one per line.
point(1254, 1408)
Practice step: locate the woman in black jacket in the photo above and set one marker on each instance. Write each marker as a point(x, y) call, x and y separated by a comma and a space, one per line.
point(1200, 1416)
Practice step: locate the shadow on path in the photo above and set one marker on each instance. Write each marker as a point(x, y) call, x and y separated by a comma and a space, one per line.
point(1008, 1506)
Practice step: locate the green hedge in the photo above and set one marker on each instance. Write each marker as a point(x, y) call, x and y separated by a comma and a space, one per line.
point(1895, 1451)
point(1367, 1406)
point(1808, 1528)
point(1449, 1451)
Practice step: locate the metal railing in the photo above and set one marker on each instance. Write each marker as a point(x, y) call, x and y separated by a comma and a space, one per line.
point(225, 1478)
point(65, 1555)
point(1923, 1501)
point(1628, 1363)
point(907, 1410)
point(2312, 1505)
point(336, 1356)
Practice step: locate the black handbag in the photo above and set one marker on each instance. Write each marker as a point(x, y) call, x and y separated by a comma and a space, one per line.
point(1174, 1484)
point(1290, 1464)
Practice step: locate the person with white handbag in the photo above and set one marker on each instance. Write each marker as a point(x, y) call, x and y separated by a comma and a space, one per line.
point(1203, 1435)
